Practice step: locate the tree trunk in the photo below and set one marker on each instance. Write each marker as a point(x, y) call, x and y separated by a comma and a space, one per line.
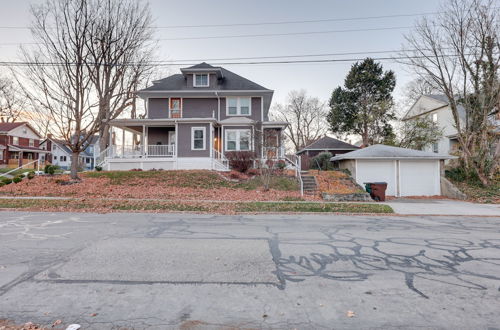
point(74, 165)
point(103, 137)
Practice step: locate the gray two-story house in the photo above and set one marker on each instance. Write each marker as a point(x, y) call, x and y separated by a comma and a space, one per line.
point(193, 119)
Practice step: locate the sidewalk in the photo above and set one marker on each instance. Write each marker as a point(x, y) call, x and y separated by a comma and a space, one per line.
point(442, 207)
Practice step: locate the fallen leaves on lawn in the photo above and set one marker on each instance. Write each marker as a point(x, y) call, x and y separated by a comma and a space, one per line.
point(334, 182)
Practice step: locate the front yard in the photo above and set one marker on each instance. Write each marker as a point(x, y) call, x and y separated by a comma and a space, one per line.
point(169, 191)
point(171, 185)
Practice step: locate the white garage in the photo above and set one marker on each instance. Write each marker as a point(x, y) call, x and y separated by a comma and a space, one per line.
point(407, 172)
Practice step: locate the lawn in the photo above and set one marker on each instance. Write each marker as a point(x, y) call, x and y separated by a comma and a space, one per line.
point(104, 206)
point(172, 185)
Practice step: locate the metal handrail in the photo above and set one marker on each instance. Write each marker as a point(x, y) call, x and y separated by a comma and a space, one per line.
point(17, 168)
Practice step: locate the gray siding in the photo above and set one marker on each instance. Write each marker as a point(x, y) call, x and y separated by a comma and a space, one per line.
point(184, 141)
point(158, 134)
point(157, 108)
point(256, 109)
point(199, 107)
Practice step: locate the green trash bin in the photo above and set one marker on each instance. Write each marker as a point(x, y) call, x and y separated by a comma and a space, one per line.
point(368, 187)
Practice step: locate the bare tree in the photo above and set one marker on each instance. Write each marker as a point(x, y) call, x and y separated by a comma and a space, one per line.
point(11, 105)
point(120, 50)
point(416, 88)
point(459, 51)
point(306, 118)
point(56, 77)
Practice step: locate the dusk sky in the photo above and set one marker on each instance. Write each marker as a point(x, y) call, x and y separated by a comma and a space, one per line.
point(319, 79)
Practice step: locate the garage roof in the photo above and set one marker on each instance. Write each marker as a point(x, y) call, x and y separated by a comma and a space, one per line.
point(380, 151)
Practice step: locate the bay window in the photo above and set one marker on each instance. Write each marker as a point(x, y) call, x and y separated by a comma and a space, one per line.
point(238, 140)
point(238, 106)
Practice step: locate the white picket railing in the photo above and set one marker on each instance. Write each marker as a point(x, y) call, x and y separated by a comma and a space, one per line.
point(161, 150)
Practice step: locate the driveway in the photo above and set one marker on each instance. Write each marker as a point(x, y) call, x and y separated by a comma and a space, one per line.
point(182, 271)
point(442, 207)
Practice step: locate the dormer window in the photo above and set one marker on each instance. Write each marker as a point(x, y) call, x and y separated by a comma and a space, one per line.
point(201, 80)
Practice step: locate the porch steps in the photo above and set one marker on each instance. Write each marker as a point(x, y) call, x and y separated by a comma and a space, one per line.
point(309, 183)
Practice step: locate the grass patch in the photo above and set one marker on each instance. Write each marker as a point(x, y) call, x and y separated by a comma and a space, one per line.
point(159, 207)
point(16, 172)
point(188, 179)
point(277, 182)
point(312, 207)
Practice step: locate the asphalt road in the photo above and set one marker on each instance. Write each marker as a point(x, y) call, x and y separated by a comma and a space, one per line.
point(166, 271)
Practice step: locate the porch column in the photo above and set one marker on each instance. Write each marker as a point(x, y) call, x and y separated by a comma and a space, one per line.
point(20, 162)
point(143, 141)
point(123, 141)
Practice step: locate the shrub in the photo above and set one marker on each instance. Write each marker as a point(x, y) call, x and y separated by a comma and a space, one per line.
point(7, 181)
point(51, 170)
point(46, 169)
point(17, 179)
point(281, 165)
point(98, 168)
point(322, 162)
point(240, 161)
point(30, 175)
point(2, 184)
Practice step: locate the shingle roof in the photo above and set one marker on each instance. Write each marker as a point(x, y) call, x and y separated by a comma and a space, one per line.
point(380, 151)
point(328, 143)
point(6, 127)
point(231, 81)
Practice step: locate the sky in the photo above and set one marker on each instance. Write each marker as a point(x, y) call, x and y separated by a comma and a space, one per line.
point(319, 79)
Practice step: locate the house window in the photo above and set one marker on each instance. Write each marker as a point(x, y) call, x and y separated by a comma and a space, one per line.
point(87, 160)
point(62, 158)
point(198, 138)
point(238, 106)
point(15, 140)
point(32, 143)
point(238, 139)
point(1, 155)
point(175, 108)
point(435, 147)
point(435, 117)
point(201, 80)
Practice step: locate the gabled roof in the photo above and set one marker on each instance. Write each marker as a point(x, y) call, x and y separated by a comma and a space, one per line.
point(441, 98)
point(380, 151)
point(230, 81)
point(7, 127)
point(328, 143)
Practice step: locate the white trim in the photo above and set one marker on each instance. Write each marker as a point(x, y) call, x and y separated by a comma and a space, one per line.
point(198, 128)
point(238, 139)
point(201, 74)
point(238, 106)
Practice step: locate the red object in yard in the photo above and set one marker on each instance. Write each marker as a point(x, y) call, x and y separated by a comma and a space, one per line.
point(378, 191)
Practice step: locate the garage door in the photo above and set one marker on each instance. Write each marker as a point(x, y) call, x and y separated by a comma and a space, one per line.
point(419, 178)
point(377, 171)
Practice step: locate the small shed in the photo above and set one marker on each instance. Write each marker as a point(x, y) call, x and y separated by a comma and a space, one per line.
point(407, 172)
point(325, 144)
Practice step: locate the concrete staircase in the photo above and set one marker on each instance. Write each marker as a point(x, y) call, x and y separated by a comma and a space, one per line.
point(309, 182)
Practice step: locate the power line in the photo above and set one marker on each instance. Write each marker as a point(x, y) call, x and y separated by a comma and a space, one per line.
point(287, 33)
point(161, 64)
point(336, 19)
point(254, 35)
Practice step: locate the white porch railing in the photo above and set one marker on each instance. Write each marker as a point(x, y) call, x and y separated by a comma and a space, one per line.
point(221, 159)
point(161, 150)
point(136, 151)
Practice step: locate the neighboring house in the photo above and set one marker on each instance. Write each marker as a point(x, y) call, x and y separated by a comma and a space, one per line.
point(407, 172)
point(19, 145)
point(59, 154)
point(437, 107)
point(193, 119)
point(325, 144)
